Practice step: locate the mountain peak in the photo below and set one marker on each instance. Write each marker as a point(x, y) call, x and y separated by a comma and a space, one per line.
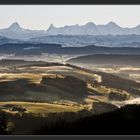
point(51, 26)
point(111, 23)
point(90, 24)
point(15, 26)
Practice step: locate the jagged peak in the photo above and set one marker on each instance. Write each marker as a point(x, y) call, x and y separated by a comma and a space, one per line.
point(51, 26)
point(15, 25)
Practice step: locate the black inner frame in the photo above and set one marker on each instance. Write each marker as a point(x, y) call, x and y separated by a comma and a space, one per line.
point(73, 2)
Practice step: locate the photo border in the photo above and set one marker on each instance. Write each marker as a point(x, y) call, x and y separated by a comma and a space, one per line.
point(70, 2)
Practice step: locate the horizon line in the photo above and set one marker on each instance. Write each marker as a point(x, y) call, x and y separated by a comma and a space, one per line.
point(68, 25)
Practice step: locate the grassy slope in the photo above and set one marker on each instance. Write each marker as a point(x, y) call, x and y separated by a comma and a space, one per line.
point(43, 108)
point(36, 115)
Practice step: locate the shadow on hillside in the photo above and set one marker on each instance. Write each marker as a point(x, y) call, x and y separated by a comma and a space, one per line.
point(68, 88)
point(119, 122)
point(114, 81)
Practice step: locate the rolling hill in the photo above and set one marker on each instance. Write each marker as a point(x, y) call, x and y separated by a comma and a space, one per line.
point(108, 59)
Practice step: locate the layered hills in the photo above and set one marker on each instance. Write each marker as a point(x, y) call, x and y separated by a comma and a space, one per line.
point(110, 34)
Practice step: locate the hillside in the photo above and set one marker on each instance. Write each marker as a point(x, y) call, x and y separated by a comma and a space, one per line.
point(123, 121)
point(38, 49)
point(50, 82)
point(40, 93)
point(108, 59)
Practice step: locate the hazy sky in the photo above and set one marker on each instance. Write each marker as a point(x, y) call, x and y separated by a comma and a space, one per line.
point(41, 16)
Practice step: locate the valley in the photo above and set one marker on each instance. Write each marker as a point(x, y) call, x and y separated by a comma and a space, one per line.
point(39, 89)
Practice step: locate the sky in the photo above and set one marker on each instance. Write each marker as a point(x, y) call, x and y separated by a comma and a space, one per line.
point(40, 17)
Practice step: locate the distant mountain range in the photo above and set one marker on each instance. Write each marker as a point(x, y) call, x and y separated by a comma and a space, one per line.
point(111, 35)
point(17, 32)
point(92, 29)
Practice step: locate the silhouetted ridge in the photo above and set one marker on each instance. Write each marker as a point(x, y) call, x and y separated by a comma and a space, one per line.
point(119, 122)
